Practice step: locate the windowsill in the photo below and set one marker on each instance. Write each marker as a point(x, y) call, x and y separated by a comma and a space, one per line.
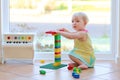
point(64, 56)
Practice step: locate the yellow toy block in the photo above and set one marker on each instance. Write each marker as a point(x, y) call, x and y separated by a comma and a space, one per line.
point(57, 56)
point(58, 50)
point(42, 61)
point(57, 64)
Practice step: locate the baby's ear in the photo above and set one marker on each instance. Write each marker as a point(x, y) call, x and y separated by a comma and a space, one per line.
point(85, 23)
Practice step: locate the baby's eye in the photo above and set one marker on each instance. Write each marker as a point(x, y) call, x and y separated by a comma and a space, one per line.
point(72, 21)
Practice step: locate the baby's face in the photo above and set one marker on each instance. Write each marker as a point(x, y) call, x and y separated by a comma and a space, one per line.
point(78, 23)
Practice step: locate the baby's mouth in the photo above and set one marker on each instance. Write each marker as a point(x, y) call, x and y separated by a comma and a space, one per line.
point(74, 26)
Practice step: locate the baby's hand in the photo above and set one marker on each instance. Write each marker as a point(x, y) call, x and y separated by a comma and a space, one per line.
point(63, 29)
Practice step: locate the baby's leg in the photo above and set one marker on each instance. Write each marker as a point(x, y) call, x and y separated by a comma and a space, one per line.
point(80, 63)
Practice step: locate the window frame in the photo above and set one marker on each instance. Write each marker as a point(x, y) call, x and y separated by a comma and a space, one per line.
point(114, 39)
point(0, 34)
point(117, 56)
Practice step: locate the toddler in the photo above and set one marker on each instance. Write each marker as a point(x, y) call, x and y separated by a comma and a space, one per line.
point(83, 54)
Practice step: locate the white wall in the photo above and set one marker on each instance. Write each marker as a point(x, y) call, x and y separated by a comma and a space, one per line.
point(0, 35)
point(118, 24)
point(4, 21)
point(5, 15)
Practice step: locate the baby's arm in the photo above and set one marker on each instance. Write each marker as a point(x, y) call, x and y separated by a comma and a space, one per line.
point(73, 35)
point(63, 29)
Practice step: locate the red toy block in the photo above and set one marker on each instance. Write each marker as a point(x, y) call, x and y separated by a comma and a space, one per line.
point(51, 32)
point(70, 67)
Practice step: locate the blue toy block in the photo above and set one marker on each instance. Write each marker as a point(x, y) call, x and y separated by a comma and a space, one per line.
point(76, 76)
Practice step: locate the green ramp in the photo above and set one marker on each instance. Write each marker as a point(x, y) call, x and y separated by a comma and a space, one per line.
point(50, 66)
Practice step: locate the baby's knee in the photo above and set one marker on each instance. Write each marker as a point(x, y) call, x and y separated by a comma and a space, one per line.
point(71, 57)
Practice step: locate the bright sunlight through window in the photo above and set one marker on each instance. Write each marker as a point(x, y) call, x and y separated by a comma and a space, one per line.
point(43, 15)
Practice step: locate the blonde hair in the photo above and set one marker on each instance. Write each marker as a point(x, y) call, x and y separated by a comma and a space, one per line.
point(83, 15)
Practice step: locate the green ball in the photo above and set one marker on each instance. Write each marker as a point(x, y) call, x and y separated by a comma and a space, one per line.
point(42, 72)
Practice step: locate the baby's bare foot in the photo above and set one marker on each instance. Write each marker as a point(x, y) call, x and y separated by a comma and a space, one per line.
point(83, 66)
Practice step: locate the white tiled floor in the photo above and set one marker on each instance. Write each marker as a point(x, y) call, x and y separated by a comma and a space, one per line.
point(13, 70)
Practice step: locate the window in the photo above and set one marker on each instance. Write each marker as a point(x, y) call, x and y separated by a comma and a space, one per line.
point(42, 15)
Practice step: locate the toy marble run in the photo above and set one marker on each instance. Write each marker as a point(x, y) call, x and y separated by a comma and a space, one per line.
point(57, 42)
point(57, 52)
